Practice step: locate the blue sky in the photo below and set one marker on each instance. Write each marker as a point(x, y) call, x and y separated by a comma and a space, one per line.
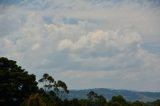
point(86, 43)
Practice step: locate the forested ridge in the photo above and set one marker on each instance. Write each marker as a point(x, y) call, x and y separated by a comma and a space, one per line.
point(108, 93)
point(19, 88)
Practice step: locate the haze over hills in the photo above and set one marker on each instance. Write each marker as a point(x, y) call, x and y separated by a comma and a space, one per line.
point(109, 93)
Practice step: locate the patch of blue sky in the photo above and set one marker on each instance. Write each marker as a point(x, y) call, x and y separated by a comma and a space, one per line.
point(154, 3)
point(35, 4)
point(73, 21)
point(152, 47)
point(103, 53)
point(130, 3)
point(104, 3)
point(48, 19)
point(9, 2)
point(8, 26)
point(134, 64)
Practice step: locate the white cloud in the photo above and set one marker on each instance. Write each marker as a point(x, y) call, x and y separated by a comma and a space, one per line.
point(100, 42)
point(36, 46)
point(103, 39)
point(65, 44)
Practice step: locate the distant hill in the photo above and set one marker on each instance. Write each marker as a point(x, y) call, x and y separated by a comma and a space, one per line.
point(109, 93)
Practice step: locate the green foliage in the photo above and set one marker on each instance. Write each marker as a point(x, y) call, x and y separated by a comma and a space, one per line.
point(95, 99)
point(155, 103)
point(47, 80)
point(92, 96)
point(34, 100)
point(15, 83)
point(101, 101)
point(49, 84)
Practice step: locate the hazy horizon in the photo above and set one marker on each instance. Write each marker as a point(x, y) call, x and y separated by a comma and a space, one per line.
point(86, 43)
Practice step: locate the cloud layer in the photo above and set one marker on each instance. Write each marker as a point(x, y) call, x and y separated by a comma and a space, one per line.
point(107, 43)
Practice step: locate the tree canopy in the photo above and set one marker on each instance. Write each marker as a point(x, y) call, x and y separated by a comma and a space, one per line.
point(15, 82)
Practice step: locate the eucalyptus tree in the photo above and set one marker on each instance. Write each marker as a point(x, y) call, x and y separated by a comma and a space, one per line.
point(48, 81)
point(49, 84)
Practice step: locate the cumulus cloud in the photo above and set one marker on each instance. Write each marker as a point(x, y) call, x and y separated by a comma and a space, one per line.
point(101, 41)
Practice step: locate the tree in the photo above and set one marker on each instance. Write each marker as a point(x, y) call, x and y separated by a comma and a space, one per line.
point(101, 100)
point(92, 96)
point(95, 99)
point(34, 100)
point(118, 101)
point(155, 103)
point(48, 81)
point(15, 83)
point(139, 103)
point(61, 86)
point(51, 85)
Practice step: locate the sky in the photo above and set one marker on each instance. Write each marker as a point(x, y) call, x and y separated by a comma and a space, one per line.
point(86, 43)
